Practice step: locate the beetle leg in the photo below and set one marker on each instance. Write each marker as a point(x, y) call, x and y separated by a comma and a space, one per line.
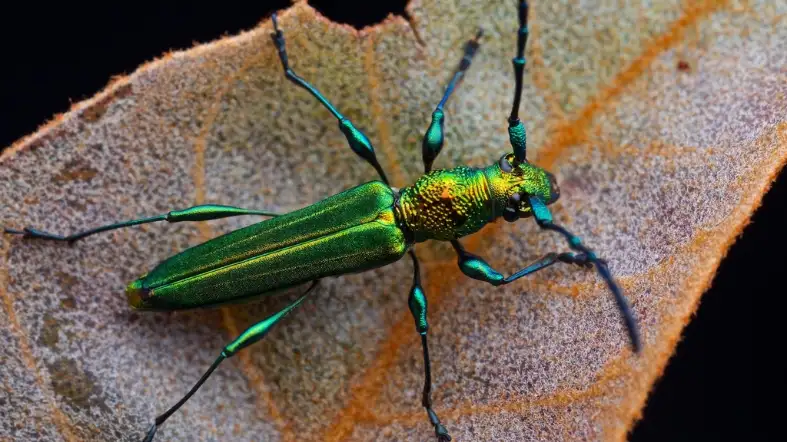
point(417, 304)
point(434, 136)
point(248, 337)
point(359, 142)
point(203, 212)
point(477, 268)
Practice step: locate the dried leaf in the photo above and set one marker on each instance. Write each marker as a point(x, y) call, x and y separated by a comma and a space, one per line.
point(663, 123)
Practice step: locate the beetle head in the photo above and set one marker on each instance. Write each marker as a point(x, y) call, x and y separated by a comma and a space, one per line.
point(512, 181)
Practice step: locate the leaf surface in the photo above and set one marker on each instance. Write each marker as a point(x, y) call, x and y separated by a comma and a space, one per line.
point(663, 124)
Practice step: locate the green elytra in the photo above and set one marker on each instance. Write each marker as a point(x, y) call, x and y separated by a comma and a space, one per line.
point(362, 228)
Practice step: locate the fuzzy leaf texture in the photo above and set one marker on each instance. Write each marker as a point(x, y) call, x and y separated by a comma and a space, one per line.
point(664, 124)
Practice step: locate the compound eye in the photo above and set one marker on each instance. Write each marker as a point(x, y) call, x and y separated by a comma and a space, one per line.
point(511, 213)
point(505, 165)
point(514, 201)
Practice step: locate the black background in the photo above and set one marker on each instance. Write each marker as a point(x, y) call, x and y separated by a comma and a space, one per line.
point(715, 386)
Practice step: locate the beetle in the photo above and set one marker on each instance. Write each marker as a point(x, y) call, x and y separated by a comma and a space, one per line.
point(362, 228)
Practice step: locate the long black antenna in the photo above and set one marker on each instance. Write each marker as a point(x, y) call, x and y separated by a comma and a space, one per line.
point(516, 129)
point(601, 267)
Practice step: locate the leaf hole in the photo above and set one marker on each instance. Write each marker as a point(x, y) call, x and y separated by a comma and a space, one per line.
point(361, 14)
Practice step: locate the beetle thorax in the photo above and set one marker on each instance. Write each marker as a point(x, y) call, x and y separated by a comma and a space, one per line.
point(446, 204)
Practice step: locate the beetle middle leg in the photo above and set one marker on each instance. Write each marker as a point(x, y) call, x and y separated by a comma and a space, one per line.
point(431, 145)
point(204, 212)
point(417, 303)
point(359, 142)
point(248, 337)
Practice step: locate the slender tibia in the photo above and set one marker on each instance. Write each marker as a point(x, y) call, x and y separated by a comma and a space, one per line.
point(477, 268)
point(205, 212)
point(248, 337)
point(417, 303)
point(358, 141)
point(434, 137)
point(516, 130)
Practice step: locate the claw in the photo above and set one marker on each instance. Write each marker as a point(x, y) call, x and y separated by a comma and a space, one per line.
point(585, 261)
point(442, 433)
point(580, 259)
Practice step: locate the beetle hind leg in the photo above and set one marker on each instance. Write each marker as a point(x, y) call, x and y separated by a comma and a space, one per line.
point(248, 337)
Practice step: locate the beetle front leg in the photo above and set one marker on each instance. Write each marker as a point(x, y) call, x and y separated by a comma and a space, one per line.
point(417, 303)
point(434, 137)
point(204, 212)
point(477, 268)
point(248, 337)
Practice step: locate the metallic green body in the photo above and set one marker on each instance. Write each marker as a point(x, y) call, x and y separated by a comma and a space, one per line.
point(352, 231)
point(362, 228)
point(447, 204)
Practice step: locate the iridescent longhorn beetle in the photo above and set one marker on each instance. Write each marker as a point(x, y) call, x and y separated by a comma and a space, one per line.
point(362, 228)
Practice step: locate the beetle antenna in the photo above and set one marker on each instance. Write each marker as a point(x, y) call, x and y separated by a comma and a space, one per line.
point(516, 130)
point(601, 266)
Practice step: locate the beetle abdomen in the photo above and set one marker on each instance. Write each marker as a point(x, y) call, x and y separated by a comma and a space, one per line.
point(446, 204)
point(352, 231)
